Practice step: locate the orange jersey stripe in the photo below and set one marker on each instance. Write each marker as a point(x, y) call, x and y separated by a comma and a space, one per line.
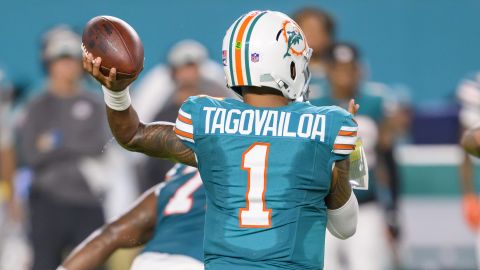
point(344, 147)
point(347, 133)
point(184, 119)
point(238, 50)
point(184, 134)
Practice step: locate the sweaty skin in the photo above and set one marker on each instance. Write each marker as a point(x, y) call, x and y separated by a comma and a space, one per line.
point(158, 139)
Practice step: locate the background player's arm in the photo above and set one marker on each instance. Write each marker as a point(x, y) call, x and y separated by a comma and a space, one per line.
point(470, 142)
point(466, 175)
point(155, 139)
point(133, 229)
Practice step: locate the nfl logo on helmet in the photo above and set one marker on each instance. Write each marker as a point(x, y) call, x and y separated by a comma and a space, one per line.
point(224, 58)
point(254, 57)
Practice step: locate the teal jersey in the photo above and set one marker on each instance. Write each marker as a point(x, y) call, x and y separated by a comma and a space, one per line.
point(372, 101)
point(266, 173)
point(181, 206)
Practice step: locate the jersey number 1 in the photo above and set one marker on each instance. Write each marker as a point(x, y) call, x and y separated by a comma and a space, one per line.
point(255, 162)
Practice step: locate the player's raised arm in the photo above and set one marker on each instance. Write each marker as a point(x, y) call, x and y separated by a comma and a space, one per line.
point(341, 201)
point(340, 188)
point(133, 229)
point(155, 139)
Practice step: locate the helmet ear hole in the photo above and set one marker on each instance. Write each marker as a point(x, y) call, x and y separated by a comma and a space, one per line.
point(293, 70)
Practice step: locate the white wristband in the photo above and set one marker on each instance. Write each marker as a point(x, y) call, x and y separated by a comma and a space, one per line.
point(61, 268)
point(117, 101)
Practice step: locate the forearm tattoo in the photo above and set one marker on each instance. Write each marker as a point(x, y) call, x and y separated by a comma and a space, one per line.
point(341, 189)
point(158, 139)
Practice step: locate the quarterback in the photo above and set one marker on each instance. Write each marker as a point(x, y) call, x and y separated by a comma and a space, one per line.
point(275, 170)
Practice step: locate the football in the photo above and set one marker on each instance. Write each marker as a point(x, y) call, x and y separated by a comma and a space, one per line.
point(117, 43)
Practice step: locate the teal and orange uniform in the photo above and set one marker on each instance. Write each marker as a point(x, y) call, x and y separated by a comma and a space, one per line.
point(266, 173)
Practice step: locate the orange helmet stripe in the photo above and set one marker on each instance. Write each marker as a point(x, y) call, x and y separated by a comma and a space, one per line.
point(230, 57)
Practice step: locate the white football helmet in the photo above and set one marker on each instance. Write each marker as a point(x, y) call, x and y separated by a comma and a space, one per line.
point(267, 48)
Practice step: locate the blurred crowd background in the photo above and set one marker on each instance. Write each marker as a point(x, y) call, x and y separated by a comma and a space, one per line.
point(412, 65)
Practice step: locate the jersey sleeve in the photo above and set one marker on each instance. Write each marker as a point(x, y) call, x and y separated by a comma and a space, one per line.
point(184, 126)
point(346, 137)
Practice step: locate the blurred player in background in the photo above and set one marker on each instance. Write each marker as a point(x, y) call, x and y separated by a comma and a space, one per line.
point(168, 219)
point(468, 93)
point(319, 28)
point(187, 61)
point(267, 161)
point(61, 127)
point(14, 247)
point(368, 248)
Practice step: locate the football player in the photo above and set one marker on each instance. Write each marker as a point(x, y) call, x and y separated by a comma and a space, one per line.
point(276, 171)
point(168, 218)
point(468, 93)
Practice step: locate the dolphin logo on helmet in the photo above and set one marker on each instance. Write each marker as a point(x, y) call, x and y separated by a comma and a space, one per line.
point(293, 37)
